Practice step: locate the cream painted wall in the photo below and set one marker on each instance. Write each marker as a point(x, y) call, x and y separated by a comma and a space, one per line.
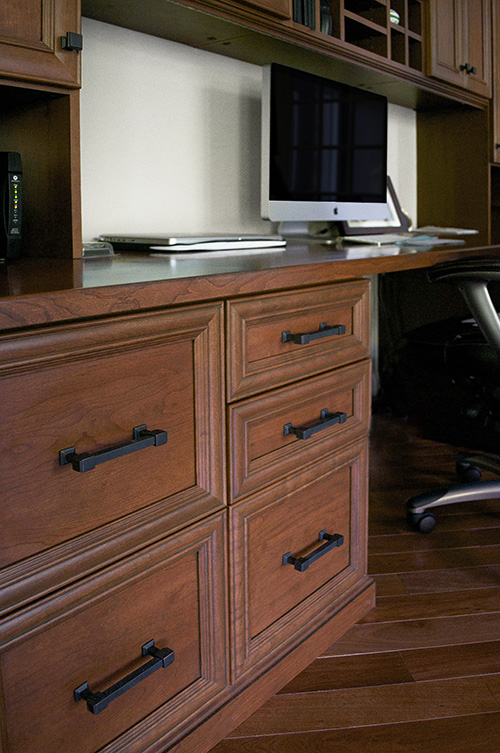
point(170, 138)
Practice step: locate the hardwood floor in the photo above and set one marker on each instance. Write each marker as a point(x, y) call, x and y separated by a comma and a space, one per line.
point(422, 671)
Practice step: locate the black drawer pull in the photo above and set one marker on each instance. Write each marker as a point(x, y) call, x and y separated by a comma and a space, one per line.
point(325, 330)
point(98, 701)
point(326, 419)
point(142, 438)
point(302, 563)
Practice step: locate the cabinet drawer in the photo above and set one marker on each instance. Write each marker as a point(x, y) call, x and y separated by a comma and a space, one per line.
point(275, 605)
point(172, 593)
point(274, 435)
point(330, 325)
point(87, 387)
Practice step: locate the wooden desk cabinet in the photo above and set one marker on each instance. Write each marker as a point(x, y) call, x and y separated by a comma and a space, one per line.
point(119, 529)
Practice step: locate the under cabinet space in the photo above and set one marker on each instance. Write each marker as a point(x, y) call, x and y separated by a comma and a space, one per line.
point(281, 337)
point(275, 435)
point(316, 521)
point(38, 124)
point(112, 436)
point(172, 594)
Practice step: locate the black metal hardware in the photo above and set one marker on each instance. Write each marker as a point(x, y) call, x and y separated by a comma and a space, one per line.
point(326, 419)
point(325, 330)
point(142, 438)
point(302, 563)
point(468, 68)
point(72, 41)
point(98, 701)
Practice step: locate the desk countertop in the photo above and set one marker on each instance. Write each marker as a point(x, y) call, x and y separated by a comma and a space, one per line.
point(44, 291)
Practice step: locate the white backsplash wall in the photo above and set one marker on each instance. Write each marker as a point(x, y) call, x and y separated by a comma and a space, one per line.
point(170, 138)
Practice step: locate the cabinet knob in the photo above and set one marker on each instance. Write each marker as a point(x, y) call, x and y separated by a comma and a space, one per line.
point(468, 68)
point(72, 41)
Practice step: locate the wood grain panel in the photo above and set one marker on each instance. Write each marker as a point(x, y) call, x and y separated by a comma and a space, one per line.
point(172, 593)
point(274, 606)
point(87, 386)
point(261, 452)
point(258, 359)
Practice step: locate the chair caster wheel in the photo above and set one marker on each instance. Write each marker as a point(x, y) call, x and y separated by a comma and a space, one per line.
point(424, 522)
point(468, 472)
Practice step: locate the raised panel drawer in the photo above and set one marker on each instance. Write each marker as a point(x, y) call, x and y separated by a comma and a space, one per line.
point(172, 593)
point(276, 434)
point(332, 321)
point(275, 605)
point(87, 386)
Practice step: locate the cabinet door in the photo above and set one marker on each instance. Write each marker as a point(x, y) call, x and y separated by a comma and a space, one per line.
point(496, 80)
point(445, 49)
point(460, 43)
point(297, 555)
point(99, 389)
point(477, 47)
point(171, 593)
point(30, 40)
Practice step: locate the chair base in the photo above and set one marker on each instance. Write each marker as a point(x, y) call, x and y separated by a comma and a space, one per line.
point(469, 467)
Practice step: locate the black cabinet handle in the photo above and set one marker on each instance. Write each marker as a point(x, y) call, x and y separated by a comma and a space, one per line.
point(302, 563)
point(142, 438)
point(468, 68)
point(326, 419)
point(98, 701)
point(325, 330)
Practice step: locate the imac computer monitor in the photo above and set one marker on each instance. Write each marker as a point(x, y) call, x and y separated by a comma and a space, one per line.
point(324, 149)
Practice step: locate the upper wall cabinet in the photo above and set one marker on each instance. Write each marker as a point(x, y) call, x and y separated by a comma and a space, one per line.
point(31, 41)
point(496, 81)
point(460, 43)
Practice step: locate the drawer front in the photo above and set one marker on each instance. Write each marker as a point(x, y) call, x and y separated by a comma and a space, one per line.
point(274, 435)
point(277, 338)
point(88, 387)
point(173, 594)
point(285, 574)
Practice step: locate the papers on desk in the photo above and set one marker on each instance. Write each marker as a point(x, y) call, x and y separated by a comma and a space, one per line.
point(401, 239)
point(434, 230)
point(429, 240)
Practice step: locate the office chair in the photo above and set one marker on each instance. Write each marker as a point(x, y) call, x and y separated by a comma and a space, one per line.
point(473, 350)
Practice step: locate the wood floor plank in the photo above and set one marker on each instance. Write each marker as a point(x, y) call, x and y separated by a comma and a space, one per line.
point(400, 562)
point(450, 579)
point(399, 636)
point(389, 704)
point(421, 672)
point(478, 733)
point(389, 585)
point(453, 661)
point(447, 604)
point(416, 542)
point(350, 672)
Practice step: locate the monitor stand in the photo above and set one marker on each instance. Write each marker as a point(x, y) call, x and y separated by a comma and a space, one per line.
point(293, 230)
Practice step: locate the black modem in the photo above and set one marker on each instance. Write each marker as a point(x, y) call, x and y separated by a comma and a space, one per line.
point(11, 173)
